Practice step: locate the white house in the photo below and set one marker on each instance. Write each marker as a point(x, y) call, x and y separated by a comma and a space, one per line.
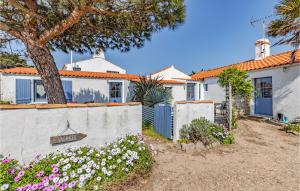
point(24, 85)
point(181, 84)
point(96, 64)
point(275, 78)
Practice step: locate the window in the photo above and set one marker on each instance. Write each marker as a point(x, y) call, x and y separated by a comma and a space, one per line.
point(205, 87)
point(39, 91)
point(114, 72)
point(77, 68)
point(115, 91)
point(190, 91)
point(263, 87)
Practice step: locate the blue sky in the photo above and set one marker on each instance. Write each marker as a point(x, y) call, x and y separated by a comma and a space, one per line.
point(215, 33)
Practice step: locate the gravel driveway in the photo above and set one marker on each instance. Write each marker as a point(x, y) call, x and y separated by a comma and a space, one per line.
point(263, 158)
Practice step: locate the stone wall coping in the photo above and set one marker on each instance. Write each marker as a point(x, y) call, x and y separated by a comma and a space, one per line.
point(68, 105)
point(194, 102)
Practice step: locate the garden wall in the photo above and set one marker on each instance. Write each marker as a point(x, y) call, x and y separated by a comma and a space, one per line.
point(186, 111)
point(25, 130)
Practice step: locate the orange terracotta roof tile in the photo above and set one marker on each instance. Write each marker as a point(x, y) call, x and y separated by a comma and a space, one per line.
point(68, 73)
point(163, 81)
point(268, 62)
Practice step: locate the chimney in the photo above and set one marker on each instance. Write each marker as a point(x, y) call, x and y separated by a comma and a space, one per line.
point(262, 48)
point(99, 53)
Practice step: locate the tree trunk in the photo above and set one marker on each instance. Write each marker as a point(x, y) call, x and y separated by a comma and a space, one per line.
point(45, 65)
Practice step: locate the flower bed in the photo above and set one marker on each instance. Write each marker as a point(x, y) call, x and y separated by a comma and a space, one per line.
point(74, 168)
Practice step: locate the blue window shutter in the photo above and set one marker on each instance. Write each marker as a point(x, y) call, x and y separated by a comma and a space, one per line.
point(67, 85)
point(23, 91)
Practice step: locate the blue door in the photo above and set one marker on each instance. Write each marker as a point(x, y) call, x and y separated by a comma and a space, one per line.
point(115, 92)
point(163, 121)
point(263, 96)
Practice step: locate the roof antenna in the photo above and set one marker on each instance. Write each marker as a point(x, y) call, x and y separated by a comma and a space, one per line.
point(263, 21)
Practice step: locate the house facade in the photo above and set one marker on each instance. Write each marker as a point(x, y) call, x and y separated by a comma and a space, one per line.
point(23, 85)
point(96, 64)
point(182, 86)
point(275, 78)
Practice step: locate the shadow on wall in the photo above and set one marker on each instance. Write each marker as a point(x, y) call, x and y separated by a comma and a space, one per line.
point(89, 95)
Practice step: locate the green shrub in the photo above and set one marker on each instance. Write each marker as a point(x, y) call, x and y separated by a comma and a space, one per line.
point(206, 132)
point(293, 127)
point(74, 168)
point(146, 124)
point(198, 130)
point(4, 102)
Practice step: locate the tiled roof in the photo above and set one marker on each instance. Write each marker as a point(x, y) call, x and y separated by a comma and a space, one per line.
point(83, 74)
point(268, 62)
point(163, 81)
point(68, 73)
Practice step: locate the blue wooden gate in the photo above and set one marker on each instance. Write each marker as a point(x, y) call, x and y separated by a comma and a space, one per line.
point(163, 120)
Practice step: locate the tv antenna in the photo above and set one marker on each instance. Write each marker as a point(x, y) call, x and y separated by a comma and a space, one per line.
point(261, 20)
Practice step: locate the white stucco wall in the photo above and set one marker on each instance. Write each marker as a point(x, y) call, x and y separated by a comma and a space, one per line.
point(26, 132)
point(170, 73)
point(215, 92)
point(95, 65)
point(286, 89)
point(184, 113)
point(84, 89)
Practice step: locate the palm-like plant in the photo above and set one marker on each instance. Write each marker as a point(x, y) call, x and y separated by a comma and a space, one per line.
point(150, 91)
point(287, 25)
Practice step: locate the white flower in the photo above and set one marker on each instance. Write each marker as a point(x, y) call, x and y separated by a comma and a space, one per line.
point(61, 181)
point(110, 167)
point(119, 161)
point(65, 168)
point(88, 170)
point(66, 178)
point(47, 183)
point(64, 173)
point(98, 179)
point(4, 186)
point(109, 157)
point(97, 167)
point(56, 179)
point(80, 185)
point(73, 174)
point(81, 178)
point(126, 169)
point(79, 170)
point(102, 163)
point(132, 142)
point(84, 166)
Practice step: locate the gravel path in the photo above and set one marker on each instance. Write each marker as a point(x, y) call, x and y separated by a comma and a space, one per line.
point(263, 158)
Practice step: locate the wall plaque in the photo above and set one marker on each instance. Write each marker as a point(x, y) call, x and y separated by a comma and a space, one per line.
point(66, 138)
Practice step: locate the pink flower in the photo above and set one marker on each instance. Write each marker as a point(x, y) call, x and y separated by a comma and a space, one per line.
point(21, 173)
point(17, 178)
point(19, 189)
point(6, 160)
point(39, 174)
point(51, 176)
point(56, 185)
point(55, 169)
point(34, 187)
point(11, 171)
point(40, 185)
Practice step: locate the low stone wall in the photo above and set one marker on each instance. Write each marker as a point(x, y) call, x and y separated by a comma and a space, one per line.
point(186, 111)
point(25, 130)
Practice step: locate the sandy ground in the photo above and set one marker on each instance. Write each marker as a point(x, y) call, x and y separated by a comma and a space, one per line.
point(263, 158)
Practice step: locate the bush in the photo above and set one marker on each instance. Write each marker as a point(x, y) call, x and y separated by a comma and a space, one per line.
point(198, 130)
point(292, 127)
point(206, 132)
point(4, 102)
point(84, 167)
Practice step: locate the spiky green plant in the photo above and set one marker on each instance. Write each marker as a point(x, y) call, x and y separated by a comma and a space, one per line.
point(150, 91)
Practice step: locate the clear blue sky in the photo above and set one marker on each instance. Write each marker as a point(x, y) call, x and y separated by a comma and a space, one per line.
point(215, 33)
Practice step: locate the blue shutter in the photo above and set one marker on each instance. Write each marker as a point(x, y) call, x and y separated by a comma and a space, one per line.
point(67, 85)
point(23, 91)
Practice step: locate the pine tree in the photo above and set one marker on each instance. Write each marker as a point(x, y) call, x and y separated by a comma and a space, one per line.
point(81, 26)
